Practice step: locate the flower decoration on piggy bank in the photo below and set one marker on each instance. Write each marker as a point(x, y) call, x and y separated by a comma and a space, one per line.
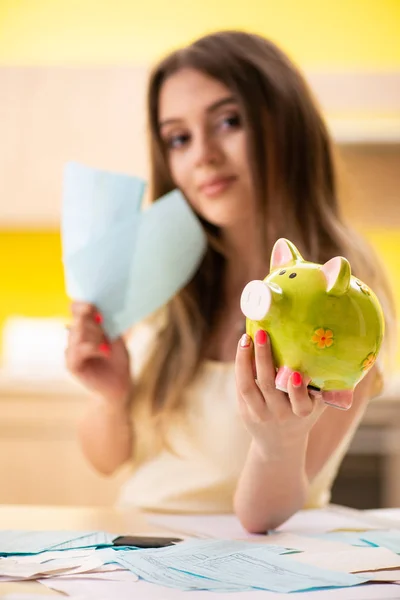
point(321, 320)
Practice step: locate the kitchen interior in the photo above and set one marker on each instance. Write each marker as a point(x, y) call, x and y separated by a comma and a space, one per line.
point(51, 114)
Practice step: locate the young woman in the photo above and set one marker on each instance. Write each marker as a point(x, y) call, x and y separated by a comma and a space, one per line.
point(234, 126)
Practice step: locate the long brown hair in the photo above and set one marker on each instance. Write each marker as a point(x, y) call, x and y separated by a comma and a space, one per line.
point(292, 161)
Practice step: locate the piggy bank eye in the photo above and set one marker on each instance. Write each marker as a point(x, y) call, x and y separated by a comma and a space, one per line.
point(282, 272)
point(292, 275)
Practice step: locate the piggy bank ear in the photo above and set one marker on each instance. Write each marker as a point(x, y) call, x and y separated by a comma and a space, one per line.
point(337, 273)
point(284, 254)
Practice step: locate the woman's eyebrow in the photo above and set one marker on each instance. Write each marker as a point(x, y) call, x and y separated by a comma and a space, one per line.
point(215, 105)
point(209, 109)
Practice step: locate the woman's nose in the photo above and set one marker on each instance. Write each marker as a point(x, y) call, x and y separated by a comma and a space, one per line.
point(207, 150)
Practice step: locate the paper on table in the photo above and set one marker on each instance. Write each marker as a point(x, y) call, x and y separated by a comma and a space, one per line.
point(43, 557)
point(387, 539)
point(351, 560)
point(319, 520)
point(35, 597)
point(258, 567)
point(372, 519)
point(392, 575)
point(90, 540)
point(33, 542)
point(229, 563)
point(322, 520)
point(104, 590)
point(153, 566)
point(22, 568)
point(303, 543)
point(388, 514)
point(104, 574)
point(351, 538)
point(208, 526)
point(127, 262)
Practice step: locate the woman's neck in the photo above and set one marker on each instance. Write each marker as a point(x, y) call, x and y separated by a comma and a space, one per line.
point(244, 263)
point(245, 260)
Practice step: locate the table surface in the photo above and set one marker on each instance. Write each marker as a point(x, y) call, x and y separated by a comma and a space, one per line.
point(122, 521)
point(85, 518)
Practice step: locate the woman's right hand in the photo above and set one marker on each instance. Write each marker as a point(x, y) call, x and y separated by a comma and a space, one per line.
point(100, 365)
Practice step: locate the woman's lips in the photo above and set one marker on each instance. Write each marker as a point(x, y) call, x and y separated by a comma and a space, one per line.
point(217, 186)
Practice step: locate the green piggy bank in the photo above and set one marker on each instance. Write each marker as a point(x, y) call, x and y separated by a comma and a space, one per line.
point(322, 322)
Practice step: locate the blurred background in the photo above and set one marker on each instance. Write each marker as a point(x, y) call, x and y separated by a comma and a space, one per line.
point(72, 85)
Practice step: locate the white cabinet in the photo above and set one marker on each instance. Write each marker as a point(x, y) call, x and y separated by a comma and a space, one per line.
point(40, 458)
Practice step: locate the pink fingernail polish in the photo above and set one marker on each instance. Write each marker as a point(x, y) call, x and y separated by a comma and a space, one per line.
point(297, 379)
point(98, 318)
point(261, 337)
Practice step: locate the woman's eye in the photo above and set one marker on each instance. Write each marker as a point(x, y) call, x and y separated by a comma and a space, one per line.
point(177, 141)
point(231, 121)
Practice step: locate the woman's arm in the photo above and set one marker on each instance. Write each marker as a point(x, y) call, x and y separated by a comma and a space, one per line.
point(106, 433)
point(292, 440)
point(103, 367)
point(269, 491)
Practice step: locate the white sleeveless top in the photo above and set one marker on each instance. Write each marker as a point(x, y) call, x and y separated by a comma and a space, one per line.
point(209, 447)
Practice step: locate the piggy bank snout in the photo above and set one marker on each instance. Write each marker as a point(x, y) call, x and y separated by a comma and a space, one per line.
point(255, 300)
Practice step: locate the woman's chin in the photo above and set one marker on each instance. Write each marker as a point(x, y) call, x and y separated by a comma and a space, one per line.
point(220, 216)
point(221, 221)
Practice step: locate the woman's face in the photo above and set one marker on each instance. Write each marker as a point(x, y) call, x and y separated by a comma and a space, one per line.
point(205, 138)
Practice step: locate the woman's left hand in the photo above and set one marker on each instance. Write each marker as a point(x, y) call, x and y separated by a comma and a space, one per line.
point(277, 421)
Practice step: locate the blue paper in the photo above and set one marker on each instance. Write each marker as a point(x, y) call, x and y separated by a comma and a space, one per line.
point(93, 202)
point(98, 273)
point(126, 261)
point(91, 540)
point(352, 538)
point(387, 539)
point(229, 565)
point(265, 570)
point(153, 565)
point(34, 542)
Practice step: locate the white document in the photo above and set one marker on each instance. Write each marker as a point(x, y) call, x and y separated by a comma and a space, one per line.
point(352, 560)
point(203, 526)
point(319, 520)
point(16, 542)
point(389, 539)
point(304, 544)
point(229, 565)
point(18, 568)
point(35, 597)
point(331, 518)
point(392, 575)
point(106, 590)
point(116, 574)
point(385, 514)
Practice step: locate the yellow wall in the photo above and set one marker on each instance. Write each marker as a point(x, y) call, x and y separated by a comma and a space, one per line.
point(335, 33)
point(31, 276)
